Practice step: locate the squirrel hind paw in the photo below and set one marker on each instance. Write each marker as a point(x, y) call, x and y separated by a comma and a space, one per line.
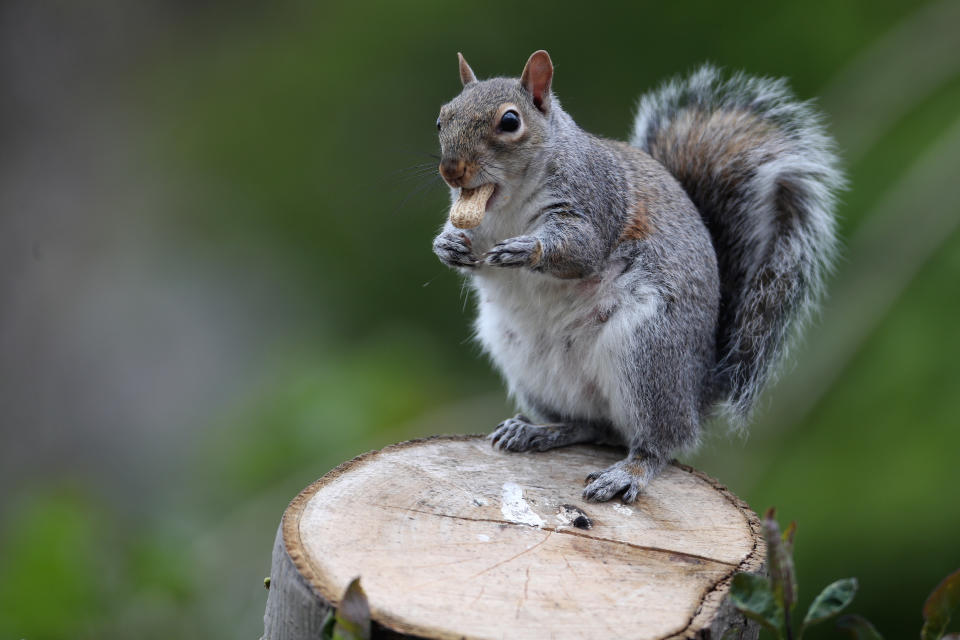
point(519, 434)
point(628, 476)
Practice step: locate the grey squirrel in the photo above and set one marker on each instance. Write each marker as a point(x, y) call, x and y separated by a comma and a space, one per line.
point(628, 292)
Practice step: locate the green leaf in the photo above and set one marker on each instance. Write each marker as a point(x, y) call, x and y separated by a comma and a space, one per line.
point(783, 578)
point(831, 601)
point(939, 607)
point(858, 627)
point(751, 595)
point(353, 614)
point(326, 631)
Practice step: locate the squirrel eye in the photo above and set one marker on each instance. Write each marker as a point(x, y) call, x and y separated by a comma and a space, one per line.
point(510, 121)
point(438, 124)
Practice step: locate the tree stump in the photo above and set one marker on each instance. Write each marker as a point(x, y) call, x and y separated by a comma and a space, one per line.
point(453, 539)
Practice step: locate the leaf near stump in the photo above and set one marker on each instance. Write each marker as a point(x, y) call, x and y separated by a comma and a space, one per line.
point(831, 601)
point(752, 596)
point(939, 607)
point(858, 627)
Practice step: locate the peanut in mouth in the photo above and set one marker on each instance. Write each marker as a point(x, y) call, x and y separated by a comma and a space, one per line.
point(467, 212)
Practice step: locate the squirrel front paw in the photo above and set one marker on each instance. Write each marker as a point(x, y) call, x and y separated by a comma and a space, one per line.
point(454, 249)
point(521, 251)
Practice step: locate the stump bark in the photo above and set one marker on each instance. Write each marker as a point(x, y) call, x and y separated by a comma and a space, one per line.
point(453, 539)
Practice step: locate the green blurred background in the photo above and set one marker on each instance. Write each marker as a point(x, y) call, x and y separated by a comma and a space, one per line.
point(216, 283)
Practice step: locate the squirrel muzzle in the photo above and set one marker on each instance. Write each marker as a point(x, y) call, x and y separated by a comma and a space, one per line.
point(453, 170)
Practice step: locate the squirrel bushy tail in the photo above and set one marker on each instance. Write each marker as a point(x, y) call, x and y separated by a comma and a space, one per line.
point(761, 170)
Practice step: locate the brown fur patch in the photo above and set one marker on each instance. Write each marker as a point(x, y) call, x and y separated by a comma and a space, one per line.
point(638, 226)
point(634, 468)
point(536, 255)
point(733, 136)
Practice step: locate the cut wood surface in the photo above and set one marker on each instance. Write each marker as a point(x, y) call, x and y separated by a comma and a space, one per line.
point(453, 539)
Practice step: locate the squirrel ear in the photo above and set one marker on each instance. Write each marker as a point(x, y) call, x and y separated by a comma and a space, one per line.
point(466, 73)
point(536, 79)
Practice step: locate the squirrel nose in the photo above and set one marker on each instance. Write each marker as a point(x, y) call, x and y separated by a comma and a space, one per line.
point(453, 170)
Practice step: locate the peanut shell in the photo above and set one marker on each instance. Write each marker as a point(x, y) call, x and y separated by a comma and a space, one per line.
point(467, 212)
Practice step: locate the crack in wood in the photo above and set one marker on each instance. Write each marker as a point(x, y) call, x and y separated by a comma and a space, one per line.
point(566, 531)
point(513, 557)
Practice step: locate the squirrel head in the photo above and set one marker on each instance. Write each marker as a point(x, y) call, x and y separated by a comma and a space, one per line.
point(494, 129)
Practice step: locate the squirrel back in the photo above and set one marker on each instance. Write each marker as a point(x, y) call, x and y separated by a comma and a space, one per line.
point(762, 172)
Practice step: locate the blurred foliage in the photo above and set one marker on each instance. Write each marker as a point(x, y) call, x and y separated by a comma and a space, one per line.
point(940, 606)
point(55, 542)
point(299, 135)
point(858, 627)
point(771, 601)
point(67, 561)
point(374, 387)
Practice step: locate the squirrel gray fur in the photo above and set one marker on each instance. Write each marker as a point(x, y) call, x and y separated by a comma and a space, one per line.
point(627, 292)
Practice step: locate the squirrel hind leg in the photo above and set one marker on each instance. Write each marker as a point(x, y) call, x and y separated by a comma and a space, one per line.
point(520, 434)
point(629, 476)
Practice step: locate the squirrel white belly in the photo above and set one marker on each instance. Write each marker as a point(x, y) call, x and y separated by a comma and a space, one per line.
point(560, 344)
point(628, 292)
